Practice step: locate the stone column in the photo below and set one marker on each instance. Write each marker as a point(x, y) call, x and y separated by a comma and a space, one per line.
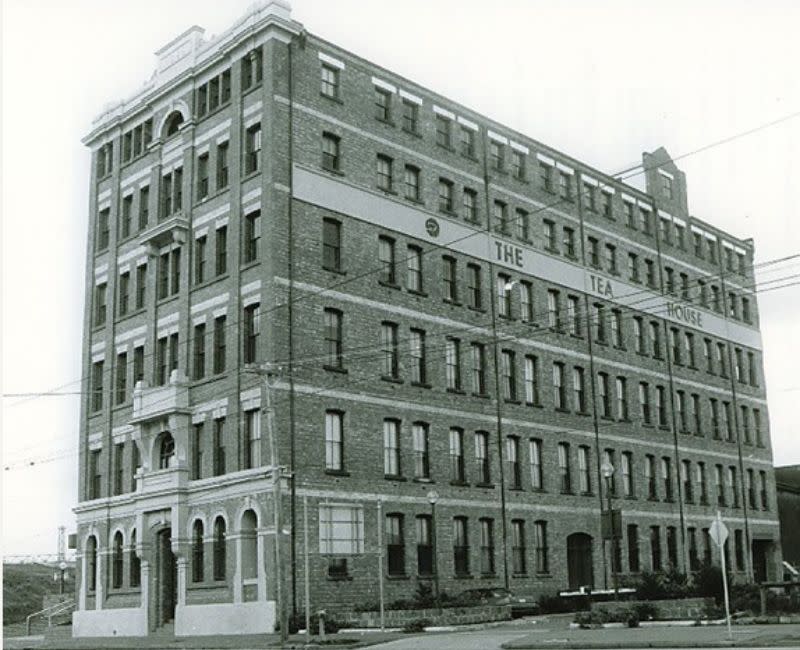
point(182, 564)
point(99, 586)
point(238, 587)
point(145, 591)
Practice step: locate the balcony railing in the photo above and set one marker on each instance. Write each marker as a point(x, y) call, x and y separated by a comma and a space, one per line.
point(150, 403)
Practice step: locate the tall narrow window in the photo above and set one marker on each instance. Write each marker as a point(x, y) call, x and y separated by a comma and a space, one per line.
point(134, 565)
point(584, 470)
point(334, 441)
point(252, 442)
point(331, 158)
point(141, 285)
point(457, 473)
point(418, 361)
point(252, 236)
point(391, 448)
point(474, 288)
point(419, 435)
point(460, 546)
point(559, 391)
point(453, 364)
point(564, 468)
point(395, 545)
point(116, 561)
point(329, 81)
point(119, 467)
point(512, 463)
point(532, 380)
point(333, 338)
point(509, 374)
point(121, 384)
point(97, 386)
point(387, 260)
point(633, 548)
point(424, 545)
point(221, 246)
point(487, 546)
point(252, 331)
point(200, 248)
point(252, 149)
point(202, 176)
point(449, 279)
point(540, 546)
point(655, 548)
point(197, 450)
point(197, 551)
point(535, 456)
point(222, 165)
point(478, 368)
point(220, 327)
point(219, 549)
point(219, 447)
point(518, 559)
point(482, 457)
point(199, 344)
point(414, 265)
point(384, 172)
point(390, 368)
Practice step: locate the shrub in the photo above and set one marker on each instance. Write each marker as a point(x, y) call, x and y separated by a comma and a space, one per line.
point(633, 618)
point(708, 582)
point(555, 604)
point(416, 626)
point(645, 611)
point(650, 587)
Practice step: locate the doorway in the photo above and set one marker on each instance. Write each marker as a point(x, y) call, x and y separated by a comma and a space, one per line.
point(579, 561)
point(761, 552)
point(167, 578)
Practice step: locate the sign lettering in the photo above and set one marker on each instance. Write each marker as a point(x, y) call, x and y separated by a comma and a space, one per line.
point(509, 253)
point(601, 286)
point(685, 314)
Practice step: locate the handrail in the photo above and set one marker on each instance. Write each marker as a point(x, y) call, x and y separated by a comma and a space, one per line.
point(53, 610)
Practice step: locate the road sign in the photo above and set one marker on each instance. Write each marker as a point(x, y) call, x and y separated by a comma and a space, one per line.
point(718, 531)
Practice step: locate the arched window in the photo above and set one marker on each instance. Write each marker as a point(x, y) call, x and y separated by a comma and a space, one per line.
point(135, 565)
point(219, 549)
point(166, 451)
point(116, 561)
point(173, 123)
point(249, 545)
point(197, 551)
point(91, 563)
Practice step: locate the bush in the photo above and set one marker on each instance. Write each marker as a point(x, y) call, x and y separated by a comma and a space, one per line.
point(645, 611)
point(414, 627)
point(298, 622)
point(650, 587)
point(708, 582)
point(555, 604)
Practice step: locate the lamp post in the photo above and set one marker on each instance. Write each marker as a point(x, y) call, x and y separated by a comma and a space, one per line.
point(607, 469)
point(433, 497)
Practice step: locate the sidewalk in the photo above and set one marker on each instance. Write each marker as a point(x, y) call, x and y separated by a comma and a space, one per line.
point(661, 637)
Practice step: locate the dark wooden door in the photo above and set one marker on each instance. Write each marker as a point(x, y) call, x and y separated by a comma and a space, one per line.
point(579, 561)
point(168, 577)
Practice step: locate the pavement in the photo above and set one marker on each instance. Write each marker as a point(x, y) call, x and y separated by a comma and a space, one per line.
point(534, 633)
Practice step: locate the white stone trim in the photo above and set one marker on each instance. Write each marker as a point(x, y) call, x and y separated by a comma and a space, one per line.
point(326, 58)
point(168, 160)
point(468, 124)
point(698, 230)
point(213, 405)
point(628, 198)
point(250, 287)
point(565, 168)
point(210, 216)
point(252, 195)
point(203, 149)
point(547, 160)
point(444, 112)
point(251, 299)
point(384, 85)
point(167, 320)
point(519, 147)
point(100, 356)
point(98, 347)
point(124, 336)
point(105, 194)
point(739, 250)
point(665, 173)
point(727, 244)
point(139, 343)
point(590, 181)
point(679, 222)
point(105, 205)
point(199, 320)
point(217, 313)
point(252, 121)
point(711, 236)
point(250, 393)
point(121, 433)
point(211, 133)
point(201, 232)
point(131, 254)
point(252, 108)
point(167, 331)
point(121, 347)
point(497, 137)
point(101, 279)
point(124, 268)
point(665, 215)
point(410, 97)
point(219, 223)
point(644, 205)
point(96, 442)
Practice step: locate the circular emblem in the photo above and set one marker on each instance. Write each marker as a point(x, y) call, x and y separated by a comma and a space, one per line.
point(432, 226)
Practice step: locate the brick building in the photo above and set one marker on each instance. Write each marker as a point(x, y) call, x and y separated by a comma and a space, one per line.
point(455, 325)
point(787, 488)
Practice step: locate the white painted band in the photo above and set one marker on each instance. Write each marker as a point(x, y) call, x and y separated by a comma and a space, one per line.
point(520, 147)
point(384, 85)
point(467, 124)
point(667, 174)
point(410, 97)
point(497, 137)
point(443, 112)
point(252, 286)
point(325, 58)
point(565, 168)
point(590, 181)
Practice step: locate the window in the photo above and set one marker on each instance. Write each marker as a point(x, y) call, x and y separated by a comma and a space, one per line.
point(616, 328)
point(119, 467)
point(387, 259)
point(701, 482)
point(559, 392)
point(330, 152)
point(589, 197)
point(383, 170)
point(252, 330)
point(474, 288)
point(418, 362)
point(197, 451)
point(197, 551)
point(449, 279)
point(482, 457)
point(607, 204)
point(469, 202)
point(218, 459)
point(611, 482)
point(504, 286)
point(390, 352)
point(252, 69)
point(532, 380)
point(627, 474)
point(383, 105)
point(445, 195)
point(763, 495)
point(166, 457)
point(630, 219)
point(467, 142)
point(672, 546)
point(644, 216)
point(650, 477)
point(546, 176)
point(522, 222)
point(518, 563)
point(584, 471)
point(569, 241)
point(333, 338)
point(565, 186)
point(686, 481)
point(199, 352)
point(540, 546)
point(457, 474)
point(252, 149)
point(633, 548)
point(661, 406)
point(252, 443)
point(138, 364)
point(579, 389)
point(453, 364)
point(650, 273)
point(655, 548)
point(95, 477)
point(252, 236)
point(134, 564)
point(752, 369)
point(329, 81)
point(553, 310)
point(751, 489)
point(550, 236)
point(633, 267)
point(460, 546)
point(341, 531)
point(757, 427)
point(518, 164)
point(655, 336)
point(219, 549)
point(116, 561)
point(334, 441)
point(331, 245)
point(513, 465)
point(443, 127)
point(395, 545)
point(478, 369)
point(100, 309)
point(622, 398)
point(565, 479)
point(680, 407)
point(509, 374)
point(410, 116)
point(638, 335)
point(746, 315)
point(573, 315)
point(125, 220)
point(728, 421)
point(594, 252)
point(391, 448)
point(599, 323)
point(603, 394)
point(611, 259)
point(734, 484)
point(666, 475)
point(716, 302)
point(122, 376)
point(497, 155)
point(219, 344)
point(487, 546)
point(424, 546)
point(421, 448)
point(103, 228)
point(97, 386)
point(411, 181)
point(105, 160)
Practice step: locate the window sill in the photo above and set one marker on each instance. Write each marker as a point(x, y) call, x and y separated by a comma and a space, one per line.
point(249, 264)
point(485, 485)
point(413, 132)
point(536, 405)
point(456, 391)
point(478, 310)
point(398, 577)
point(331, 170)
point(420, 384)
point(459, 483)
point(386, 190)
point(559, 409)
point(389, 285)
point(336, 271)
point(387, 122)
point(339, 578)
point(331, 98)
point(418, 292)
point(423, 479)
point(337, 472)
point(336, 369)
point(446, 147)
point(463, 576)
point(452, 303)
point(394, 477)
point(512, 401)
point(515, 488)
point(481, 395)
point(391, 380)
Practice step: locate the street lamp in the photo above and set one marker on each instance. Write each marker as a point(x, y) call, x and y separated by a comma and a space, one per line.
point(607, 470)
point(433, 497)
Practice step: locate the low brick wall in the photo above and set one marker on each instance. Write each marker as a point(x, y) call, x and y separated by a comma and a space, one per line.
point(673, 609)
point(448, 616)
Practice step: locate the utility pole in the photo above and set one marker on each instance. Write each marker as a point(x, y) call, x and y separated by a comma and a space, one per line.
point(268, 370)
point(62, 555)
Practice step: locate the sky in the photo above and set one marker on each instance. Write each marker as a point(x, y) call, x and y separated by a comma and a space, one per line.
point(601, 81)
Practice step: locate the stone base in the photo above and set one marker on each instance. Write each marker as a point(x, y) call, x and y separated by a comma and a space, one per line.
point(128, 621)
point(227, 618)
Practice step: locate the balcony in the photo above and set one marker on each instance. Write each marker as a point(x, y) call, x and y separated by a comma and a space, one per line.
point(160, 401)
point(170, 479)
point(169, 231)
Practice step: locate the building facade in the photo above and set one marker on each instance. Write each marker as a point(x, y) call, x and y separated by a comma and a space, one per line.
point(423, 335)
point(787, 487)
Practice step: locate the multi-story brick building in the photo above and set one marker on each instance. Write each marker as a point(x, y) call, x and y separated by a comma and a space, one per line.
point(455, 326)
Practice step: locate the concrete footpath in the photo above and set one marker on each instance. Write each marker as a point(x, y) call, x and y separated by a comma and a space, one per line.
point(554, 636)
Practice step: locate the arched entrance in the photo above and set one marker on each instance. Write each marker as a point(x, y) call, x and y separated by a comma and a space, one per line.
point(579, 561)
point(166, 578)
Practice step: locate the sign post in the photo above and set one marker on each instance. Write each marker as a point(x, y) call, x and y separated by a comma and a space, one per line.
point(719, 533)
